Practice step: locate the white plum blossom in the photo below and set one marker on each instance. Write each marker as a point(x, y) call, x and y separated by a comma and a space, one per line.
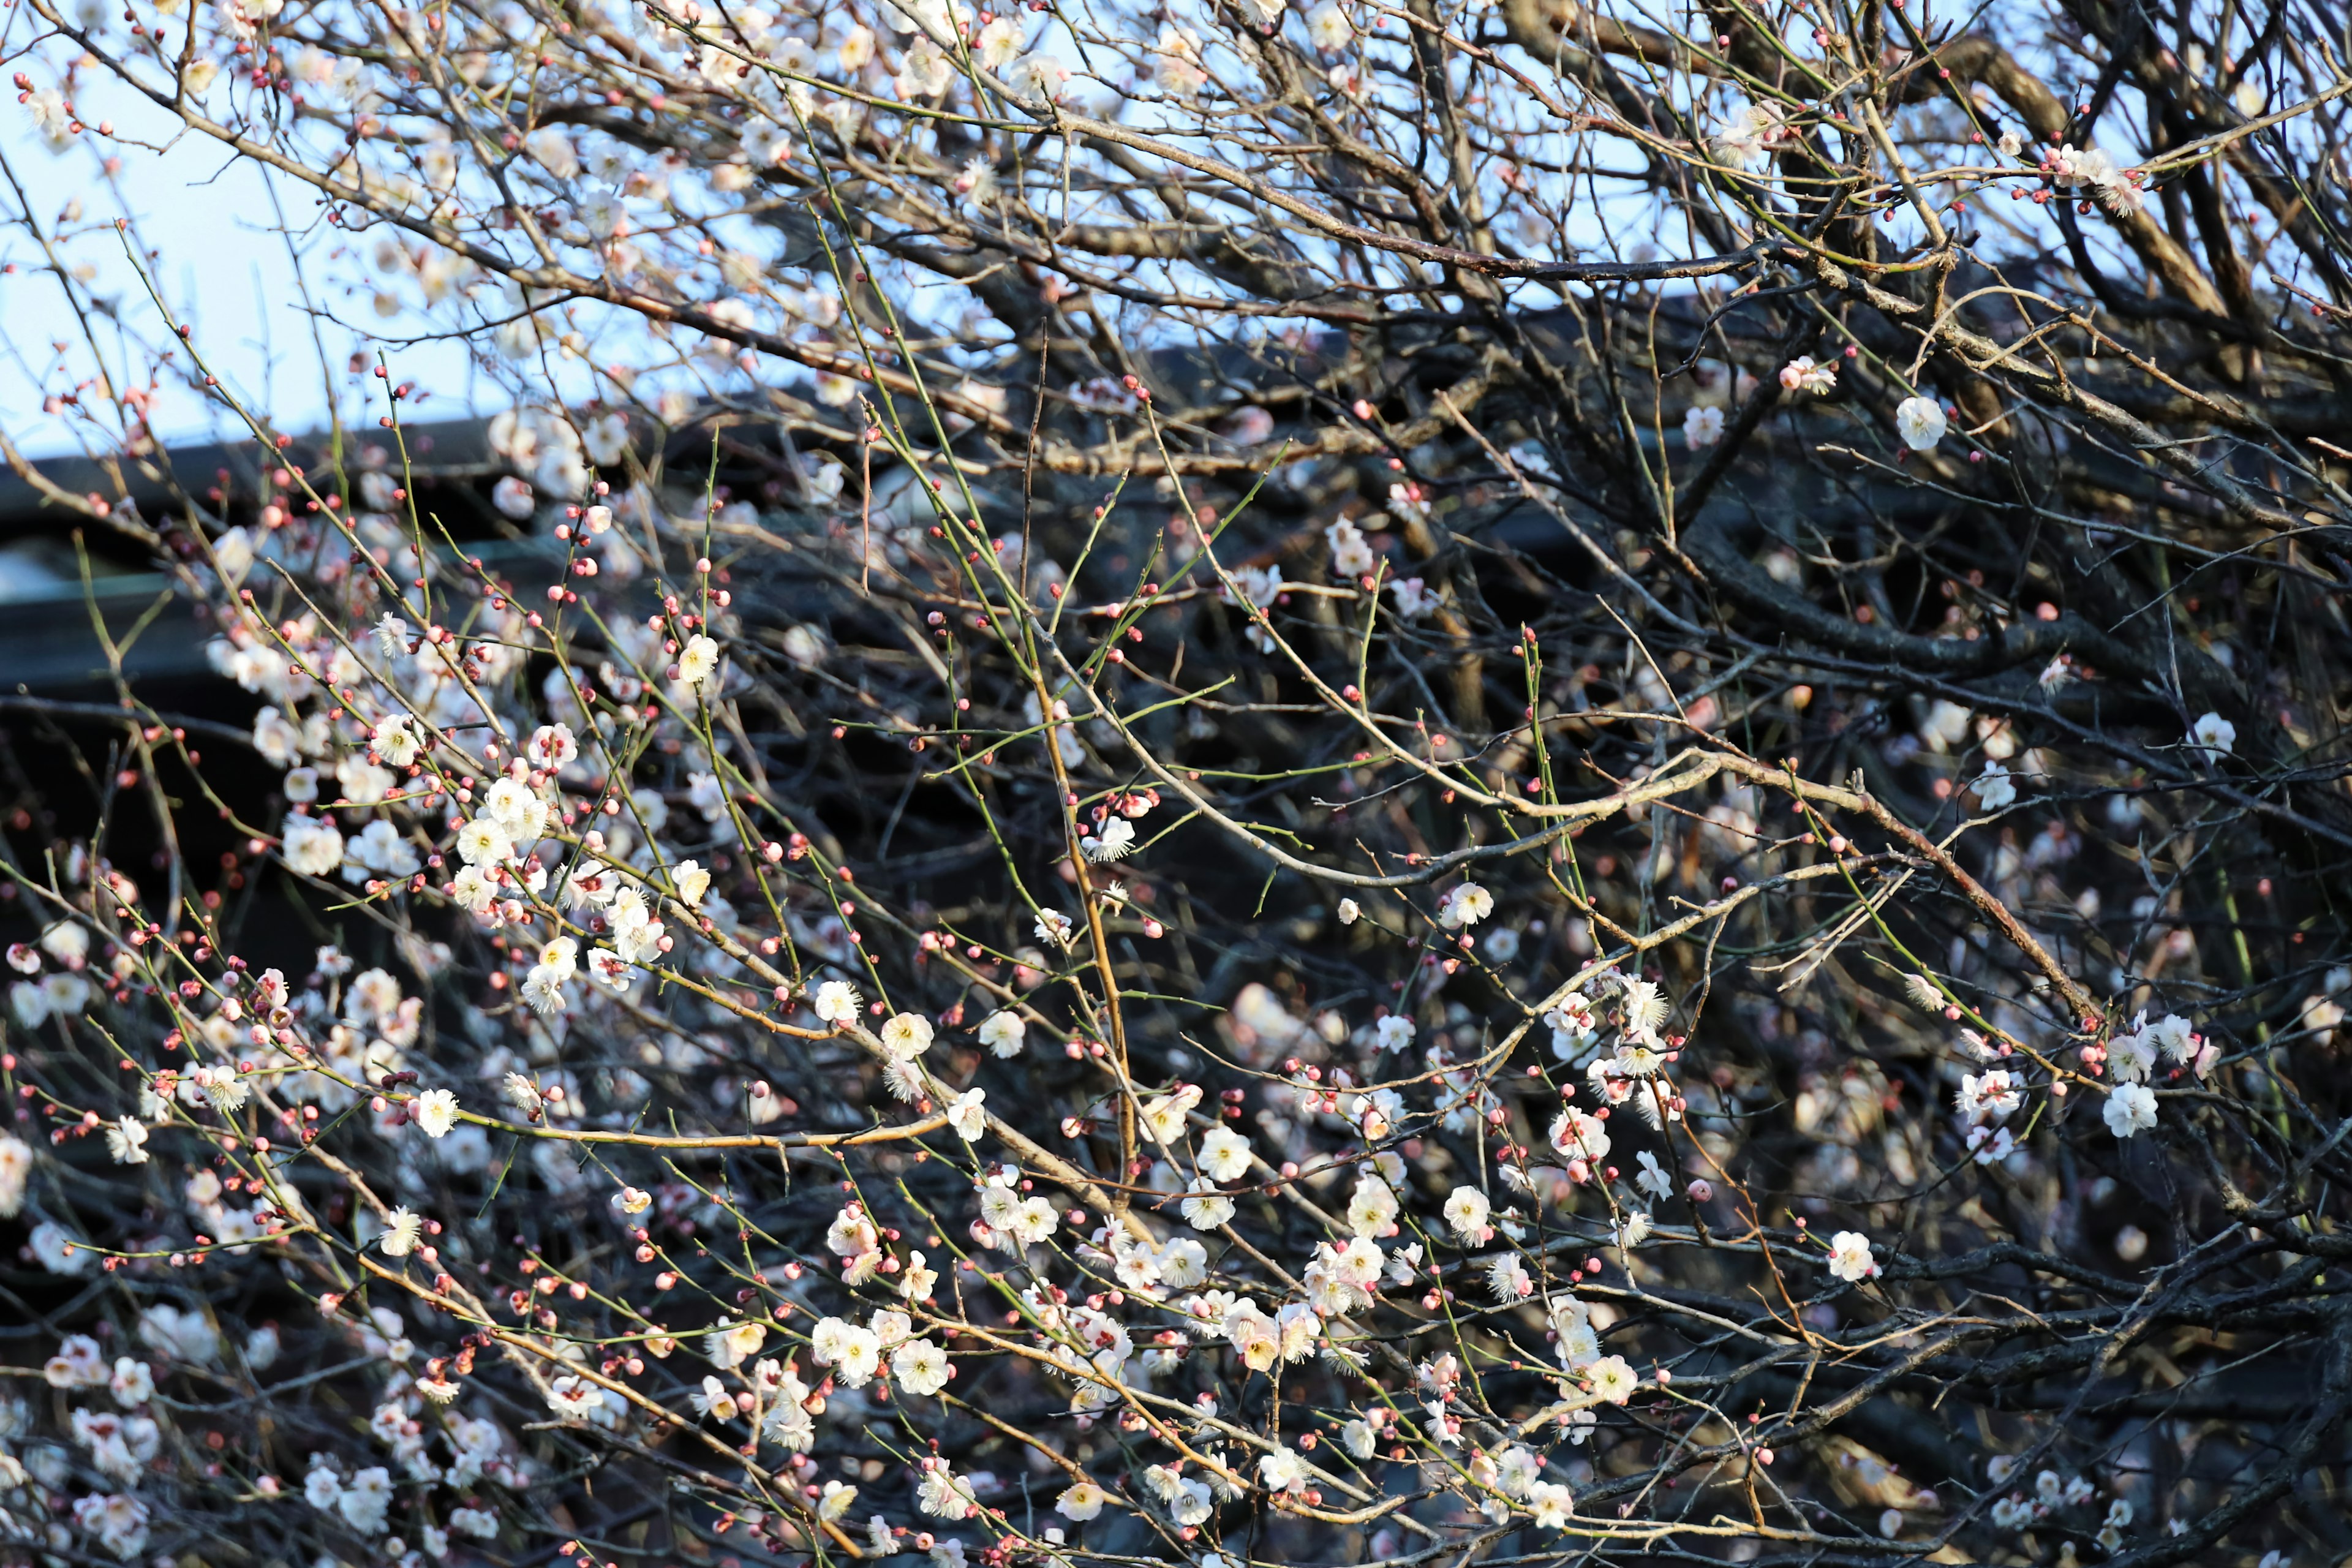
point(1920, 422)
point(907, 1036)
point(1081, 1502)
point(1466, 1211)
point(437, 1113)
point(1003, 1032)
point(1748, 133)
point(967, 1116)
point(126, 1140)
point(2130, 1109)
point(1850, 1257)
point(1464, 905)
point(836, 1002)
point(1995, 788)
point(1113, 843)
point(1804, 374)
point(1611, 1378)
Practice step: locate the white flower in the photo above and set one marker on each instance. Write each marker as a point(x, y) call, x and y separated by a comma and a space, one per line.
point(1990, 1145)
point(1282, 1470)
point(1182, 1263)
point(126, 1140)
point(1329, 28)
point(1465, 905)
point(1988, 1096)
point(920, 1367)
point(1516, 1470)
point(1350, 556)
point(1506, 1277)
point(401, 1229)
point(435, 1111)
point(2011, 143)
point(1054, 926)
point(2131, 1109)
point(1579, 1136)
point(516, 807)
point(999, 44)
point(836, 1002)
point(1114, 841)
point(1920, 422)
point(1163, 1115)
point(1225, 1154)
point(943, 1494)
point(1645, 1009)
point(1613, 1379)
point(1205, 1208)
point(856, 1354)
point(729, 1345)
point(1081, 1502)
point(16, 1168)
point(712, 1398)
point(2171, 1035)
point(222, 1085)
point(1372, 1208)
point(1413, 597)
point(2214, 733)
point(313, 846)
point(553, 746)
point(1702, 426)
point(697, 663)
point(392, 634)
point(479, 1523)
point(543, 987)
point(691, 881)
point(907, 1036)
point(397, 741)
point(1003, 1032)
point(78, 1363)
point(1350, 912)
point(1551, 1505)
point(1995, 788)
point(554, 151)
point(1177, 62)
point(1804, 374)
point(513, 496)
point(1466, 1212)
point(1742, 137)
point(975, 180)
point(1850, 1257)
point(1193, 1502)
point(484, 841)
point(523, 1094)
point(1040, 75)
point(1654, 1179)
point(966, 1116)
point(57, 1249)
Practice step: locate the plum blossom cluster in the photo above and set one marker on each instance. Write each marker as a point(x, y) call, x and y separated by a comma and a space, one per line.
point(1077, 841)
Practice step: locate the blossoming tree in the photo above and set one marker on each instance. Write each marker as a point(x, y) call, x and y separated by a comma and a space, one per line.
point(1212, 783)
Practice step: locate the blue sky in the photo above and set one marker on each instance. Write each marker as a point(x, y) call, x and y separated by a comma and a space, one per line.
point(220, 263)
